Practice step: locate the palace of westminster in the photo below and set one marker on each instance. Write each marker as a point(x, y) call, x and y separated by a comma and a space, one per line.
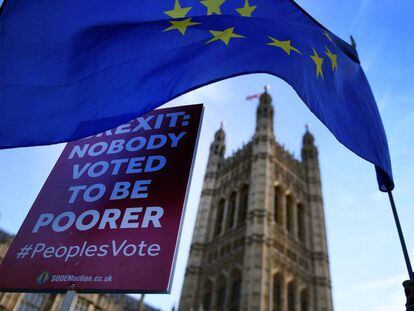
point(260, 239)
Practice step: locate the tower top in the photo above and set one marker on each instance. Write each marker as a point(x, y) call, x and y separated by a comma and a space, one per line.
point(220, 134)
point(308, 138)
point(309, 150)
point(264, 114)
point(265, 98)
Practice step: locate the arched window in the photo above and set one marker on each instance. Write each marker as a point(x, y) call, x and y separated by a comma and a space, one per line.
point(219, 218)
point(278, 205)
point(289, 213)
point(244, 203)
point(208, 293)
point(235, 291)
point(291, 296)
point(304, 300)
point(231, 212)
point(277, 292)
point(301, 222)
point(221, 294)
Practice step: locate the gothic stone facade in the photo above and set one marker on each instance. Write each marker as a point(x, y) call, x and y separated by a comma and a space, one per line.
point(260, 239)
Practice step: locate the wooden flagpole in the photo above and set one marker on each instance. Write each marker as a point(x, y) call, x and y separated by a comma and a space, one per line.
point(141, 303)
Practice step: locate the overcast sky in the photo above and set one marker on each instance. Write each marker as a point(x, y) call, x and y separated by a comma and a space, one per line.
point(366, 262)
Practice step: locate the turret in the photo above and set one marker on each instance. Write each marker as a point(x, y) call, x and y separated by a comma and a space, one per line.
point(318, 239)
point(309, 150)
point(216, 157)
point(256, 284)
point(189, 301)
point(218, 146)
point(264, 116)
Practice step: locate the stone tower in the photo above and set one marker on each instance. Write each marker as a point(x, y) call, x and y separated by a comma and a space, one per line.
point(260, 240)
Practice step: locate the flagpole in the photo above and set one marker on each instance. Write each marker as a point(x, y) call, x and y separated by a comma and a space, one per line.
point(141, 303)
point(401, 236)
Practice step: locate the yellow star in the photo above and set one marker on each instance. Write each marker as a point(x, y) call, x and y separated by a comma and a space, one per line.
point(224, 35)
point(284, 45)
point(213, 6)
point(333, 58)
point(318, 62)
point(178, 11)
point(181, 25)
point(247, 10)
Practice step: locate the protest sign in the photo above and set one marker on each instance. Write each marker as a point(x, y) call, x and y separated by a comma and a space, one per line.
point(108, 216)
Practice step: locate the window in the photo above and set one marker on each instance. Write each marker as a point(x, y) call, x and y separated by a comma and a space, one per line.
point(277, 206)
point(291, 296)
point(31, 302)
point(277, 292)
point(208, 292)
point(231, 212)
point(221, 294)
point(301, 223)
point(289, 213)
point(81, 304)
point(244, 203)
point(219, 218)
point(235, 292)
point(304, 300)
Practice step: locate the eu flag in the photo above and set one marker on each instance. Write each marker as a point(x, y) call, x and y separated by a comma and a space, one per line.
point(69, 69)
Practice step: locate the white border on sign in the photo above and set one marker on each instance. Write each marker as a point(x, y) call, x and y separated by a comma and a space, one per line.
point(177, 243)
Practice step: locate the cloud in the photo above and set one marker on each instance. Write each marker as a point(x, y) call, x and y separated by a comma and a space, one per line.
point(211, 94)
point(375, 295)
point(370, 59)
point(363, 7)
point(381, 284)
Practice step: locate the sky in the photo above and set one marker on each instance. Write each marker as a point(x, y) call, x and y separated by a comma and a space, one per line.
point(367, 266)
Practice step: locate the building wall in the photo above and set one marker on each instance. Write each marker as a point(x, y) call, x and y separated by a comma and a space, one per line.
point(260, 239)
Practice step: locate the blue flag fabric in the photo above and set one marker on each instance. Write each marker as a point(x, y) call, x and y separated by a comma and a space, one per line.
point(70, 69)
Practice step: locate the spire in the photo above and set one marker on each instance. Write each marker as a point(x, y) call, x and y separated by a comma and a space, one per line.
point(265, 98)
point(218, 147)
point(220, 135)
point(309, 150)
point(308, 138)
point(264, 114)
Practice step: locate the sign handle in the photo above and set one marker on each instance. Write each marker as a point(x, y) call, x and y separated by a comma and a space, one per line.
point(69, 301)
point(141, 303)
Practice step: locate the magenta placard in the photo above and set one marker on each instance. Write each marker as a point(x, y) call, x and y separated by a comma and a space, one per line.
point(108, 216)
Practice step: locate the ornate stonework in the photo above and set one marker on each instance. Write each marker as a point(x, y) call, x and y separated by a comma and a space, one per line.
point(260, 240)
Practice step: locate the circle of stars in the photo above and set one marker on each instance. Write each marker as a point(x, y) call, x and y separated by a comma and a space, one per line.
point(181, 23)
